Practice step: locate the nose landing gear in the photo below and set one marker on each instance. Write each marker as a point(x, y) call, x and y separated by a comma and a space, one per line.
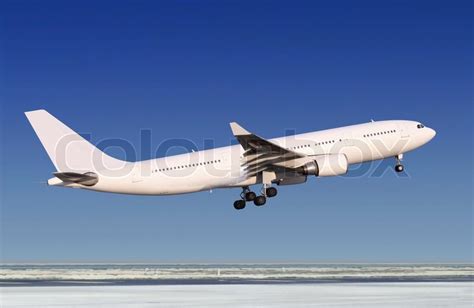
point(399, 167)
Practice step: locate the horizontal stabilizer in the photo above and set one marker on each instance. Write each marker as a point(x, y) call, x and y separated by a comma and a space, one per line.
point(87, 179)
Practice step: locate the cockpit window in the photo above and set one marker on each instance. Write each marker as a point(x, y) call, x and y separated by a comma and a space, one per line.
point(420, 125)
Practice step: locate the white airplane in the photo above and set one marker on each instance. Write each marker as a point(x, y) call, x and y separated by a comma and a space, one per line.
point(280, 161)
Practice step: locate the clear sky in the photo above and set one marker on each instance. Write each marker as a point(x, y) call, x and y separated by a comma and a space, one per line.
point(185, 69)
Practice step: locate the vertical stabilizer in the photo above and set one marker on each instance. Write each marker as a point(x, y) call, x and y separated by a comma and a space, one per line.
point(68, 151)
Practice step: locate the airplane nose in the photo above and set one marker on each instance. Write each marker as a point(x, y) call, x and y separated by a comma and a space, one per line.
point(431, 133)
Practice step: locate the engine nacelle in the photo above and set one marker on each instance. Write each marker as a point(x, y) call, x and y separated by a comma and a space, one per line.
point(326, 165)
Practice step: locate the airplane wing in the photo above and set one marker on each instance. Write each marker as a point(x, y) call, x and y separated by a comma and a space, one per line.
point(261, 154)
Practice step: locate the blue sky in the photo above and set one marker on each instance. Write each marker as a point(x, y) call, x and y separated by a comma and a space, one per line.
point(185, 69)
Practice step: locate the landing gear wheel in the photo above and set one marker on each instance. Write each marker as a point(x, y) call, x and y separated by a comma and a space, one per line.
point(399, 168)
point(239, 204)
point(271, 192)
point(260, 200)
point(250, 196)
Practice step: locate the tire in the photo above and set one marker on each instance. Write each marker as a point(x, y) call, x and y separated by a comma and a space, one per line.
point(399, 168)
point(271, 192)
point(239, 204)
point(260, 200)
point(250, 196)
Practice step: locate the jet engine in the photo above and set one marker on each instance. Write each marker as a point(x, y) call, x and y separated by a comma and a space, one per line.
point(326, 165)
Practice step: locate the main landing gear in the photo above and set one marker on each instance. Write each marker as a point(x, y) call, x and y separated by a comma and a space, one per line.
point(247, 196)
point(239, 204)
point(399, 167)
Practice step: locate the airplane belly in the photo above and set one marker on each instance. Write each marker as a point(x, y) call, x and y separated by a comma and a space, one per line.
point(172, 185)
point(368, 150)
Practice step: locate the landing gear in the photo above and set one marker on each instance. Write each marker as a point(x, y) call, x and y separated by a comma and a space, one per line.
point(249, 196)
point(245, 195)
point(266, 192)
point(271, 192)
point(260, 200)
point(399, 167)
point(239, 204)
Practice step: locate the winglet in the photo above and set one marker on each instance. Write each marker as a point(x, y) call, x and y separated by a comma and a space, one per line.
point(238, 130)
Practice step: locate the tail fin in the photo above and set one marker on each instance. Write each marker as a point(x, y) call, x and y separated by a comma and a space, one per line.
point(68, 151)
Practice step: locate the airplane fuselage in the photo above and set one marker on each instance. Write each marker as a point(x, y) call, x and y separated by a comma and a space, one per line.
point(222, 167)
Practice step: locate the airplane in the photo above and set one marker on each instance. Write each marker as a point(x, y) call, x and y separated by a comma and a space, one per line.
point(274, 162)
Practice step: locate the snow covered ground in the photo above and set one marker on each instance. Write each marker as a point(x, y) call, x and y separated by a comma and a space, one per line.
point(394, 294)
point(294, 272)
